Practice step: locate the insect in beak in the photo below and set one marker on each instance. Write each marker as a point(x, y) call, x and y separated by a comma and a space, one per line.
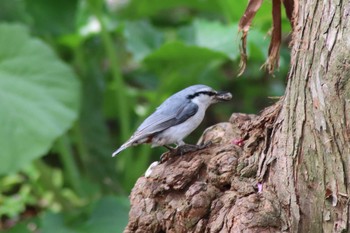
point(223, 96)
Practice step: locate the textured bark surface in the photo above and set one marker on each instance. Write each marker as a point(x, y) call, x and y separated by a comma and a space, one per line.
point(292, 171)
point(310, 145)
point(214, 187)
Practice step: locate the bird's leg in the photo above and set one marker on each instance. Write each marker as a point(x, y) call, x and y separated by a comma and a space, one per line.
point(165, 156)
point(191, 148)
point(185, 148)
point(169, 148)
point(181, 149)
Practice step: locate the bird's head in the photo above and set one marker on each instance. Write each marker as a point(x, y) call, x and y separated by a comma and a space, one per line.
point(204, 95)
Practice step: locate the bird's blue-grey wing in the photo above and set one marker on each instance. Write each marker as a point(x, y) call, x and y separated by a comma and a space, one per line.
point(164, 118)
point(182, 115)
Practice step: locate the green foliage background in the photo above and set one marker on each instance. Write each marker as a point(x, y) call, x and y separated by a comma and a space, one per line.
point(77, 77)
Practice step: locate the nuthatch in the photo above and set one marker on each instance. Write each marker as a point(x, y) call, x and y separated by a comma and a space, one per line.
point(176, 117)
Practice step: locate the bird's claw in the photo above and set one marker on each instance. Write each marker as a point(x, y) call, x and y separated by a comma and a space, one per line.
point(184, 149)
point(205, 145)
point(192, 148)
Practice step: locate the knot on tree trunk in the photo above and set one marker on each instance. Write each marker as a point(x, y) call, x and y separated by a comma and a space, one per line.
point(211, 190)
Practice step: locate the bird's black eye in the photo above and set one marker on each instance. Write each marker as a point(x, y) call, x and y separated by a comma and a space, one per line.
point(208, 93)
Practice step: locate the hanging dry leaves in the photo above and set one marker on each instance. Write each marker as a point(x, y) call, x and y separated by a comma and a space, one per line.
point(274, 48)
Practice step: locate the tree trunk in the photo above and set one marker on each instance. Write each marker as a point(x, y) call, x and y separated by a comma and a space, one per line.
point(292, 171)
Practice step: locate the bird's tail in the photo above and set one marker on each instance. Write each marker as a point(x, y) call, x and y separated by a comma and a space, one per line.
point(123, 147)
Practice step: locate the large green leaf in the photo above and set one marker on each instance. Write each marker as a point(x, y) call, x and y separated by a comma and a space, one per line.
point(223, 38)
point(177, 56)
point(180, 64)
point(142, 38)
point(148, 8)
point(39, 97)
point(212, 35)
point(13, 11)
point(108, 215)
point(55, 223)
point(53, 17)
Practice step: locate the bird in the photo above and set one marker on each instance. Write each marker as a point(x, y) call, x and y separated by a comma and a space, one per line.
point(176, 118)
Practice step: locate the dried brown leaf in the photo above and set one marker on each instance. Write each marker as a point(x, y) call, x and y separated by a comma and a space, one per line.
point(246, 20)
point(244, 25)
point(274, 48)
point(289, 6)
point(243, 51)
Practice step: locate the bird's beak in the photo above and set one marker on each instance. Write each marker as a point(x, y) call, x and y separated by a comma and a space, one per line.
point(223, 96)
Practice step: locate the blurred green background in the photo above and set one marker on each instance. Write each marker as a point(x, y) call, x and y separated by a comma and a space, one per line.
point(77, 78)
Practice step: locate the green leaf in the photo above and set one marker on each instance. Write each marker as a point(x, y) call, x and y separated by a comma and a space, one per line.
point(53, 17)
point(222, 38)
point(13, 10)
point(176, 56)
point(109, 215)
point(212, 35)
point(39, 98)
point(148, 8)
point(232, 10)
point(257, 46)
point(142, 38)
point(55, 223)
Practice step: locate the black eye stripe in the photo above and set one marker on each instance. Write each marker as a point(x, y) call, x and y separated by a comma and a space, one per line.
point(209, 93)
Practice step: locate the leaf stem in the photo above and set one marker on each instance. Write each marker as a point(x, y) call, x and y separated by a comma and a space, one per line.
point(69, 165)
point(121, 97)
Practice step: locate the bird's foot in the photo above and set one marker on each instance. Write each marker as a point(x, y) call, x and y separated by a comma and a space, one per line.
point(205, 145)
point(183, 149)
point(167, 155)
point(186, 148)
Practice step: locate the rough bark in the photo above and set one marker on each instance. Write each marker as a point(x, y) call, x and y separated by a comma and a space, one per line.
point(211, 189)
point(291, 173)
point(310, 142)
